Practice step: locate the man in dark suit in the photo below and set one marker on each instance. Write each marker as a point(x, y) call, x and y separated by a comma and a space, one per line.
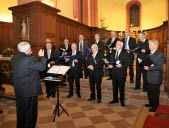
point(65, 48)
point(111, 43)
point(118, 63)
point(142, 54)
point(129, 43)
point(95, 65)
point(27, 85)
point(52, 57)
point(99, 43)
point(154, 75)
point(82, 46)
point(76, 65)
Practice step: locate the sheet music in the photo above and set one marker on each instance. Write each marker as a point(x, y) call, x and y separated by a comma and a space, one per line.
point(63, 70)
point(55, 69)
point(63, 49)
point(139, 60)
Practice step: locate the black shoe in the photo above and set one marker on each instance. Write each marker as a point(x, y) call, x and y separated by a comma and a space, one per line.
point(123, 104)
point(1, 111)
point(99, 101)
point(79, 96)
point(90, 99)
point(152, 110)
point(113, 102)
point(48, 95)
point(136, 88)
point(69, 96)
point(131, 81)
point(147, 105)
point(109, 78)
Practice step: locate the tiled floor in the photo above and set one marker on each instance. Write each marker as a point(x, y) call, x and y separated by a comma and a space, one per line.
point(83, 114)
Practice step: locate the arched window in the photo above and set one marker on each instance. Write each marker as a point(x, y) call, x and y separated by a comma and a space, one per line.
point(133, 14)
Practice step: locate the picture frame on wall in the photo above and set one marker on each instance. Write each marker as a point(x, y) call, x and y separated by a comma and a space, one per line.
point(24, 29)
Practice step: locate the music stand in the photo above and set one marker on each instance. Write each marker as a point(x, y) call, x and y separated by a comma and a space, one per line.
point(56, 71)
point(58, 105)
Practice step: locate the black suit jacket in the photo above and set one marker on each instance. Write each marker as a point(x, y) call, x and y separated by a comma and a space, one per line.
point(145, 46)
point(26, 77)
point(85, 49)
point(63, 47)
point(79, 57)
point(132, 46)
point(114, 42)
point(100, 46)
point(155, 73)
point(131, 43)
point(98, 66)
point(54, 56)
point(123, 58)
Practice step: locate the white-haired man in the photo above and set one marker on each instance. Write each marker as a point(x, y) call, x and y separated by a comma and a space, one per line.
point(27, 85)
point(154, 75)
point(95, 65)
point(118, 63)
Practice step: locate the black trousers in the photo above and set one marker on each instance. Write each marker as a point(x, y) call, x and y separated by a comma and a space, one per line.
point(74, 76)
point(118, 84)
point(131, 71)
point(110, 72)
point(153, 92)
point(84, 67)
point(26, 112)
point(50, 88)
point(139, 71)
point(93, 80)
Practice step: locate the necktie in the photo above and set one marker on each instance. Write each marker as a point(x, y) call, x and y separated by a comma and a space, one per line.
point(126, 44)
point(117, 55)
point(81, 49)
point(48, 54)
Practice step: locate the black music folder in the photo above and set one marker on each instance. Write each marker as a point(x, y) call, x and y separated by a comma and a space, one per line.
point(146, 62)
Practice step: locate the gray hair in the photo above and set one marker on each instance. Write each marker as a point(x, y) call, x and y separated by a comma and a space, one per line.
point(23, 46)
point(153, 41)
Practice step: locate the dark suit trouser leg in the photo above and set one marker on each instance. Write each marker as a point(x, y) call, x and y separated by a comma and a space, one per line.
point(98, 81)
point(92, 86)
point(26, 112)
point(115, 88)
point(149, 94)
point(71, 81)
point(144, 80)
point(86, 72)
point(77, 82)
point(48, 88)
point(122, 90)
point(154, 93)
point(110, 72)
point(131, 71)
point(138, 74)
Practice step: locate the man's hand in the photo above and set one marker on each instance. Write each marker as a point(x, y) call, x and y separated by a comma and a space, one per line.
point(90, 67)
point(67, 59)
point(119, 65)
point(106, 61)
point(75, 60)
point(114, 48)
point(41, 53)
point(52, 62)
point(146, 68)
point(110, 66)
point(143, 50)
point(110, 49)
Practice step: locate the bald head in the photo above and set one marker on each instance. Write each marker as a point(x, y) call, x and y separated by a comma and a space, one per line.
point(119, 45)
point(94, 48)
point(74, 47)
point(113, 34)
